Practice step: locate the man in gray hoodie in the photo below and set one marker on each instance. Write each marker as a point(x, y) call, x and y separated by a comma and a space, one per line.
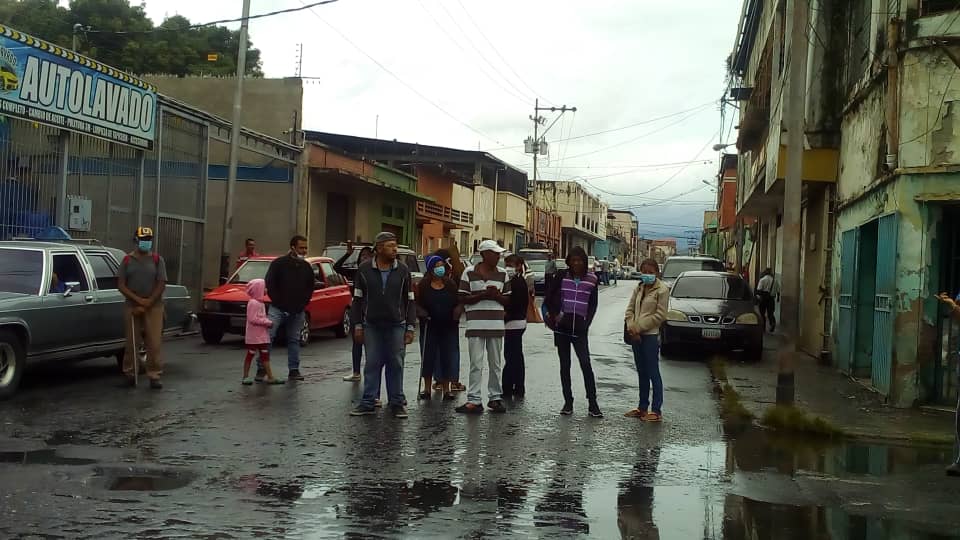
point(385, 316)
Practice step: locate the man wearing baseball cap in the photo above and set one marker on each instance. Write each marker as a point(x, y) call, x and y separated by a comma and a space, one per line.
point(142, 279)
point(483, 291)
point(385, 316)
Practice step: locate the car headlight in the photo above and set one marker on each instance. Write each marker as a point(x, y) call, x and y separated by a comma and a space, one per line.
point(748, 318)
point(674, 315)
point(211, 305)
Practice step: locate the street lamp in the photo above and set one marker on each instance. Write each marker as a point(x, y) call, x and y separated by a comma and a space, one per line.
point(718, 147)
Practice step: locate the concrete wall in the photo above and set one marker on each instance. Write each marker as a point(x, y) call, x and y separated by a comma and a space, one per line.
point(269, 108)
point(483, 213)
point(253, 217)
point(813, 263)
point(511, 209)
point(930, 109)
point(432, 183)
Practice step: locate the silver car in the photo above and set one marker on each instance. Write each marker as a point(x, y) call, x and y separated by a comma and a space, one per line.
point(59, 301)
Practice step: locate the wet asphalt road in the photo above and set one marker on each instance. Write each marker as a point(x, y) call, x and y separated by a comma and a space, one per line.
point(208, 458)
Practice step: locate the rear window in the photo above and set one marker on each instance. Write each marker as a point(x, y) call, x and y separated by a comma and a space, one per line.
point(674, 268)
point(250, 271)
point(537, 266)
point(20, 271)
point(534, 255)
point(712, 287)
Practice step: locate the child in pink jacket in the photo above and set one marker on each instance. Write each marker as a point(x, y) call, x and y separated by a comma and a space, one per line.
point(257, 335)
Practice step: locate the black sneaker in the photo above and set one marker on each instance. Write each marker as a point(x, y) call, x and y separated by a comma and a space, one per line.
point(567, 409)
point(261, 374)
point(399, 411)
point(363, 410)
point(294, 375)
point(496, 406)
point(156, 384)
point(595, 410)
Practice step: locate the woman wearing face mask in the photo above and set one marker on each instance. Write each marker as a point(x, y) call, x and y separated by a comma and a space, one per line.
point(645, 313)
point(515, 316)
point(437, 297)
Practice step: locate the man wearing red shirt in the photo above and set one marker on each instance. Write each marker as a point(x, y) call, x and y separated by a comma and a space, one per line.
point(250, 250)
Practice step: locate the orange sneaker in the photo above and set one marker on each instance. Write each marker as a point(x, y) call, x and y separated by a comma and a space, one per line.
point(653, 417)
point(635, 413)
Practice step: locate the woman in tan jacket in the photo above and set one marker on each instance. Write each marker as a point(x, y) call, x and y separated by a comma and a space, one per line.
point(645, 313)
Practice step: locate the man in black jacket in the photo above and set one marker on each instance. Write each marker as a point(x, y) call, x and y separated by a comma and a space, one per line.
point(385, 316)
point(290, 284)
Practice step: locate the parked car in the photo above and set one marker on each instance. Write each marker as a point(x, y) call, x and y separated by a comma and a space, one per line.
point(682, 263)
point(224, 309)
point(534, 252)
point(84, 321)
point(712, 310)
point(406, 255)
point(626, 272)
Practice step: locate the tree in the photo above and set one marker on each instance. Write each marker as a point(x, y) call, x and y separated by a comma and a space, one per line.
point(122, 36)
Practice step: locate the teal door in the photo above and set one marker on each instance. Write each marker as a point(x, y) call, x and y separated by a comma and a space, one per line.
point(884, 309)
point(847, 304)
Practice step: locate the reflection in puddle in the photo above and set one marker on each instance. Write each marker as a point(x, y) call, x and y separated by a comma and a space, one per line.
point(47, 456)
point(142, 479)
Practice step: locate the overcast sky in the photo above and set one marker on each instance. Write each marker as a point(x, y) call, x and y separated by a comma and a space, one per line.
point(620, 62)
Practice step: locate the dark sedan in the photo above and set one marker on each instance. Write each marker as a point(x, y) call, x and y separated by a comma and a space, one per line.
point(713, 310)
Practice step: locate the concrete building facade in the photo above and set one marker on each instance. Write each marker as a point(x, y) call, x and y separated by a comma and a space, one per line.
point(583, 215)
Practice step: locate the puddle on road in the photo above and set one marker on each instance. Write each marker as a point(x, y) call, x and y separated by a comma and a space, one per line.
point(670, 492)
point(142, 479)
point(47, 456)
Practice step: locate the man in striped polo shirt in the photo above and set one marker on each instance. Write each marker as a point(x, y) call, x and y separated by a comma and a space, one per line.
point(483, 291)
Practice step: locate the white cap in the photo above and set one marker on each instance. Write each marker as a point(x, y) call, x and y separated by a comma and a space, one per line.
point(490, 245)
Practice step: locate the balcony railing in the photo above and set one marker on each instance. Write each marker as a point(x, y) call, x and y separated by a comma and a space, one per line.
point(443, 213)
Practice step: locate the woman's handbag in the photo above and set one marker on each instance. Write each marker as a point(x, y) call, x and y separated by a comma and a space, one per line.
point(627, 338)
point(533, 314)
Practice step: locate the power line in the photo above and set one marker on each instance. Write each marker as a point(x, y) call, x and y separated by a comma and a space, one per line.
point(674, 175)
point(643, 166)
point(495, 50)
point(612, 130)
point(635, 139)
point(401, 81)
point(477, 49)
point(212, 23)
point(523, 99)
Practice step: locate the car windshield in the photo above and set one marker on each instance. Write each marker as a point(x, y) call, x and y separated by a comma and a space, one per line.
point(411, 261)
point(20, 271)
point(250, 271)
point(675, 267)
point(537, 266)
point(712, 287)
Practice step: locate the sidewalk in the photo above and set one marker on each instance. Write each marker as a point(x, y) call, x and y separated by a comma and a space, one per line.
point(825, 392)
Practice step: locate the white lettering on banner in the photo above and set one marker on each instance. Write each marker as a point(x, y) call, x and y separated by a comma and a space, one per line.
point(49, 84)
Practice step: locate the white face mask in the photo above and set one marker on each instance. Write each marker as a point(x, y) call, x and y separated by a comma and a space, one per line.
point(511, 272)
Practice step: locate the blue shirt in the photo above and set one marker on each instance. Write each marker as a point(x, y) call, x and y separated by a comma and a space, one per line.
point(384, 276)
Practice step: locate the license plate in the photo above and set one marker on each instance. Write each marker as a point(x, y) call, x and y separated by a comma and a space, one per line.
point(711, 333)
point(238, 322)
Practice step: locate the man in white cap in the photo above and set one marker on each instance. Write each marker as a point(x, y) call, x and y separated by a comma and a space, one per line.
point(483, 290)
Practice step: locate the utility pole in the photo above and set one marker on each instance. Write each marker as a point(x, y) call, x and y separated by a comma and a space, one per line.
point(536, 145)
point(234, 142)
point(793, 184)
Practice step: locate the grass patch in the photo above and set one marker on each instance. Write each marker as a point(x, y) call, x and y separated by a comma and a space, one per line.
point(794, 420)
point(735, 416)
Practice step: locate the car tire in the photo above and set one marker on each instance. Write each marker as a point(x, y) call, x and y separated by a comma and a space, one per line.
point(212, 335)
point(305, 330)
point(12, 363)
point(343, 330)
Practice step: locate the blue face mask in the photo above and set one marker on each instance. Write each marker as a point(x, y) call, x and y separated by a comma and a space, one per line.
point(440, 271)
point(145, 245)
point(648, 279)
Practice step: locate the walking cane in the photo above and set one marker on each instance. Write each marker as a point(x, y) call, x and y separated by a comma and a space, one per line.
point(136, 350)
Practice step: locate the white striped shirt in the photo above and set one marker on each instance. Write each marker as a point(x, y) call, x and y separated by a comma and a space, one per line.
point(485, 318)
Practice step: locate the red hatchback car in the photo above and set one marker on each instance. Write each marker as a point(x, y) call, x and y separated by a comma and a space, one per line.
point(224, 308)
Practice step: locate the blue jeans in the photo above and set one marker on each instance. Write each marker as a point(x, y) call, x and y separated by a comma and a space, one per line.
point(385, 352)
point(357, 355)
point(292, 323)
point(646, 355)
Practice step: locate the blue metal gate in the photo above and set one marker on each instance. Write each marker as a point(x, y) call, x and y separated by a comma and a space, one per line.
point(847, 303)
point(884, 309)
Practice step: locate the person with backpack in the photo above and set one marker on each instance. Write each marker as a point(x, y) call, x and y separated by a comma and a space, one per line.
point(570, 305)
point(142, 280)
